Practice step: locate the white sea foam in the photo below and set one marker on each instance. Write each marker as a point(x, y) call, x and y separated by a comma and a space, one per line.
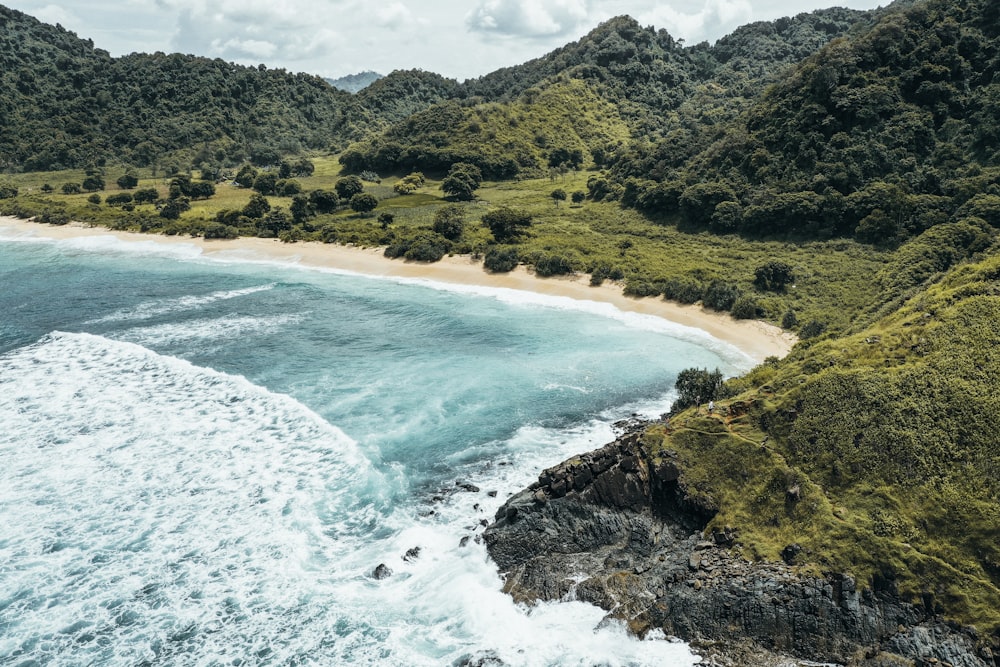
point(106, 244)
point(222, 329)
point(641, 321)
point(160, 307)
point(159, 511)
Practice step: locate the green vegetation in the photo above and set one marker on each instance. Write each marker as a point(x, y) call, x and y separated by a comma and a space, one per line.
point(837, 172)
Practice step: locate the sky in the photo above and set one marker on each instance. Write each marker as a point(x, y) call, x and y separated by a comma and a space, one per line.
point(457, 38)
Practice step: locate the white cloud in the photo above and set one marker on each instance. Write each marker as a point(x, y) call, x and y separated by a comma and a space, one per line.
point(394, 16)
point(253, 48)
point(528, 18)
point(714, 19)
point(53, 14)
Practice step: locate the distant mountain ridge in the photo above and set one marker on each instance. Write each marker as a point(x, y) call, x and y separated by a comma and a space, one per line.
point(353, 83)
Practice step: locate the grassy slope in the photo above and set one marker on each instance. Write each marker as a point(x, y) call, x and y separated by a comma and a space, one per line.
point(889, 435)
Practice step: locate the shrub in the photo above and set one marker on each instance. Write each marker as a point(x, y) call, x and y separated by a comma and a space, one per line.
point(71, 188)
point(552, 265)
point(506, 223)
point(720, 295)
point(813, 329)
point(145, 196)
point(773, 276)
point(427, 248)
point(744, 308)
point(789, 320)
point(682, 290)
point(501, 260)
point(449, 221)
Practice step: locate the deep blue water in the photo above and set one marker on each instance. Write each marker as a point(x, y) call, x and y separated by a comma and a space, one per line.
point(202, 461)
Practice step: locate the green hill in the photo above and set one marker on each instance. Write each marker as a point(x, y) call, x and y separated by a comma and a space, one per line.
point(65, 104)
point(881, 134)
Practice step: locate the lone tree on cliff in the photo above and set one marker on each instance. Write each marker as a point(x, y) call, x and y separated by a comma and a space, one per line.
point(696, 386)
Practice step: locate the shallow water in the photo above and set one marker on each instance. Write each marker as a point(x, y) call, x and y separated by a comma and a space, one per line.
point(202, 462)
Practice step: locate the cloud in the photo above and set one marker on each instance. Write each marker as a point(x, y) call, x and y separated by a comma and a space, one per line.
point(528, 18)
point(54, 14)
point(394, 16)
point(714, 19)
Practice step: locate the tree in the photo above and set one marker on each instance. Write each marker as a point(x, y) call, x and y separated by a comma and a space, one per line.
point(773, 276)
point(266, 183)
point(578, 197)
point(300, 209)
point(128, 180)
point(696, 386)
point(386, 219)
point(257, 206)
point(449, 221)
point(93, 183)
point(246, 176)
point(173, 208)
point(462, 181)
point(324, 201)
point(506, 223)
point(558, 195)
point(146, 196)
point(364, 202)
point(348, 186)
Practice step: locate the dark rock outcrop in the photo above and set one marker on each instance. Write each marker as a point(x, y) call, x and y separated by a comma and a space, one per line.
point(614, 528)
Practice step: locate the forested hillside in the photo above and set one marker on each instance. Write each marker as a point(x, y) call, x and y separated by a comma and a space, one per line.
point(65, 103)
point(880, 135)
point(651, 82)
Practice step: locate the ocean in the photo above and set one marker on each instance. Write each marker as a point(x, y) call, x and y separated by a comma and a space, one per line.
point(203, 459)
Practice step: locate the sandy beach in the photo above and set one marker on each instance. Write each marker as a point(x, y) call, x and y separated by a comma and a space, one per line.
point(756, 339)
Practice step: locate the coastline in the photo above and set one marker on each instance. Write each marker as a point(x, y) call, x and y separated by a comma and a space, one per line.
point(755, 338)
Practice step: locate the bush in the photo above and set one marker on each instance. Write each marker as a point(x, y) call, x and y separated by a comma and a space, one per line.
point(507, 224)
point(773, 276)
point(216, 230)
point(71, 188)
point(94, 199)
point(145, 196)
point(789, 320)
point(642, 288)
point(552, 265)
point(683, 290)
point(813, 329)
point(119, 199)
point(449, 221)
point(696, 387)
point(501, 260)
point(745, 308)
point(8, 190)
point(720, 295)
point(427, 248)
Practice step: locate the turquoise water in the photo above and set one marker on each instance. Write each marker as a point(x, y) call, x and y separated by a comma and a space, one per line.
point(203, 460)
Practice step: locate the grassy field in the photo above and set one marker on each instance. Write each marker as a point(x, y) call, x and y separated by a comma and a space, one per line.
point(832, 278)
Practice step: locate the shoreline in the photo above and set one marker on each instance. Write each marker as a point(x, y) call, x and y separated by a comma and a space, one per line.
point(757, 339)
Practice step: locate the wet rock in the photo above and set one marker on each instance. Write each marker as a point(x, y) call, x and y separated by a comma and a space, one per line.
point(382, 571)
point(412, 554)
point(464, 541)
point(467, 486)
point(491, 494)
point(641, 543)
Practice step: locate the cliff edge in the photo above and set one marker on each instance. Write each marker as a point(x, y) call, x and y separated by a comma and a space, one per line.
point(614, 528)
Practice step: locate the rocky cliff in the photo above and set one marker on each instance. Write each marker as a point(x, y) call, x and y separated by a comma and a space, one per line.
point(614, 528)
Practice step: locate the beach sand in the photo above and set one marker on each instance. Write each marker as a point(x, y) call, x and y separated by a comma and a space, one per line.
point(756, 339)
